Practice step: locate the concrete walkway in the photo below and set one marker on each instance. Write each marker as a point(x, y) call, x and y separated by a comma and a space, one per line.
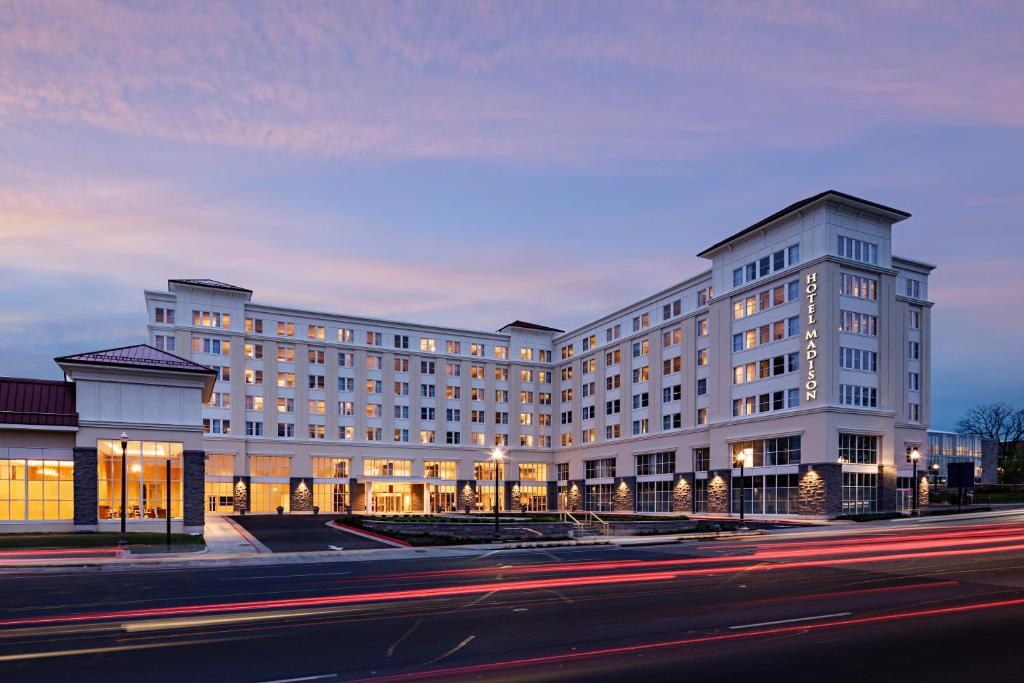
point(225, 537)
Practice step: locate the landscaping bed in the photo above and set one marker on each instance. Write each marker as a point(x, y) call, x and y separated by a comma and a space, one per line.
point(449, 531)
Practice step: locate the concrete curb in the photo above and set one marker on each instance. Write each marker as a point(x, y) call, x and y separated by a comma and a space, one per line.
point(387, 540)
point(249, 538)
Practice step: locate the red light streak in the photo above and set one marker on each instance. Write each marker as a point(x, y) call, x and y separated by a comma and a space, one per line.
point(450, 591)
point(629, 649)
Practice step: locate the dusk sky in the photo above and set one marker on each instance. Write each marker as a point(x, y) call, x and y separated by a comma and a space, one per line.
point(457, 163)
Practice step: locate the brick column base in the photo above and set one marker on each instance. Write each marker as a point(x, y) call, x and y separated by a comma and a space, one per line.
point(194, 491)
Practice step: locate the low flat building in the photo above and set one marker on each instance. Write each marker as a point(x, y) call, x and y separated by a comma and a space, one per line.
point(949, 447)
point(61, 444)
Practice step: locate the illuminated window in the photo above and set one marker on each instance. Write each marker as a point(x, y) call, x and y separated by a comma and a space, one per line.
point(37, 489)
point(146, 479)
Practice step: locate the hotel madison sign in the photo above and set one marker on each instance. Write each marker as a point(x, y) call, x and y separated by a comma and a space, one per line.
point(811, 336)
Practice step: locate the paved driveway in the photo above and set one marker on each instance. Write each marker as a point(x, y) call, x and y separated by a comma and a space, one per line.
point(298, 533)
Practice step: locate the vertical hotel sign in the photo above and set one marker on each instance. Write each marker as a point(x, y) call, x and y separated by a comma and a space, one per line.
point(811, 337)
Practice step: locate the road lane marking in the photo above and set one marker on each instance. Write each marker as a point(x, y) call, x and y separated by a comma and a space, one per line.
point(452, 651)
point(480, 599)
point(789, 621)
point(391, 650)
point(280, 576)
point(192, 622)
point(302, 678)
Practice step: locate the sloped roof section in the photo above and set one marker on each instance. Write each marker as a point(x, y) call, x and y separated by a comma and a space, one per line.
point(530, 326)
point(206, 282)
point(896, 214)
point(138, 356)
point(37, 402)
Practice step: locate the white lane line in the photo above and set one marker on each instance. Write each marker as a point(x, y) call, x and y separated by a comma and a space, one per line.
point(481, 598)
point(303, 678)
point(790, 621)
point(281, 576)
point(391, 650)
point(452, 651)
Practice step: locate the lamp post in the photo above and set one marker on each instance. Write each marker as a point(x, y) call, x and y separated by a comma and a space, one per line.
point(742, 459)
point(122, 543)
point(496, 455)
point(935, 474)
point(915, 455)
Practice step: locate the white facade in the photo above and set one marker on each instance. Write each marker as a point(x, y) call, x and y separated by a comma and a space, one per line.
point(806, 326)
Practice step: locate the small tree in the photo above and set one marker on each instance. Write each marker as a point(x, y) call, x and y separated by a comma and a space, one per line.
point(1003, 423)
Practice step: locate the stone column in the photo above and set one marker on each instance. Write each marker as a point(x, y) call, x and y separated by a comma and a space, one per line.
point(357, 496)
point(194, 490)
point(719, 484)
point(552, 495)
point(888, 495)
point(576, 489)
point(624, 494)
point(300, 494)
point(821, 490)
point(241, 494)
point(86, 489)
point(417, 501)
point(682, 492)
point(465, 491)
point(922, 490)
point(510, 495)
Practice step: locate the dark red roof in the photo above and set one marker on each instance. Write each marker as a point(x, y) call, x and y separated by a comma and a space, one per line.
point(531, 326)
point(138, 356)
point(37, 402)
point(207, 282)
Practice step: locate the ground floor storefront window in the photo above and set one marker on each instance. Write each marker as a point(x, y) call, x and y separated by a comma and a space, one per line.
point(533, 498)
point(654, 496)
point(860, 493)
point(905, 492)
point(391, 498)
point(146, 478)
point(220, 497)
point(485, 495)
point(443, 498)
point(330, 496)
point(766, 494)
point(598, 498)
point(700, 495)
point(36, 490)
point(268, 496)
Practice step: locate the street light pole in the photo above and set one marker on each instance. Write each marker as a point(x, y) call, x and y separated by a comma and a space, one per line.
point(496, 454)
point(915, 455)
point(122, 543)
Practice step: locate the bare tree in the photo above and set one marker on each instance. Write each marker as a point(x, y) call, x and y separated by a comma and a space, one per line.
point(1002, 422)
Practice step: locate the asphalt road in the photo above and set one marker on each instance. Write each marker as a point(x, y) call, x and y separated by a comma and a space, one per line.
point(936, 600)
point(298, 533)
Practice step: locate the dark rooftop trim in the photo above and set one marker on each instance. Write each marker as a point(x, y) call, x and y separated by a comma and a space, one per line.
point(531, 326)
point(206, 282)
point(137, 356)
point(37, 402)
point(801, 204)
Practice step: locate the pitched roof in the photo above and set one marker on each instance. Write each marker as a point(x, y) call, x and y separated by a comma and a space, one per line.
point(37, 402)
point(207, 282)
point(138, 356)
point(530, 326)
point(898, 214)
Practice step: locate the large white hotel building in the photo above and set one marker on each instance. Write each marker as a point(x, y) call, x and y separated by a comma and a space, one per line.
point(803, 350)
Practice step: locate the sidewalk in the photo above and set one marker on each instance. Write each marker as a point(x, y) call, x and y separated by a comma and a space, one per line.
point(224, 536)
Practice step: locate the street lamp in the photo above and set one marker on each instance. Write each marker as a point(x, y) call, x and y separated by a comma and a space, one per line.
point(915, 455)
point(935, 474)
point(122, 543)
point(743, 459)
point(496, 456)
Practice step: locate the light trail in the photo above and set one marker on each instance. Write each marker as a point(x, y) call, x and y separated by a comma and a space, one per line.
point(698, 640)
point(450, 591)
point(805, 550)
